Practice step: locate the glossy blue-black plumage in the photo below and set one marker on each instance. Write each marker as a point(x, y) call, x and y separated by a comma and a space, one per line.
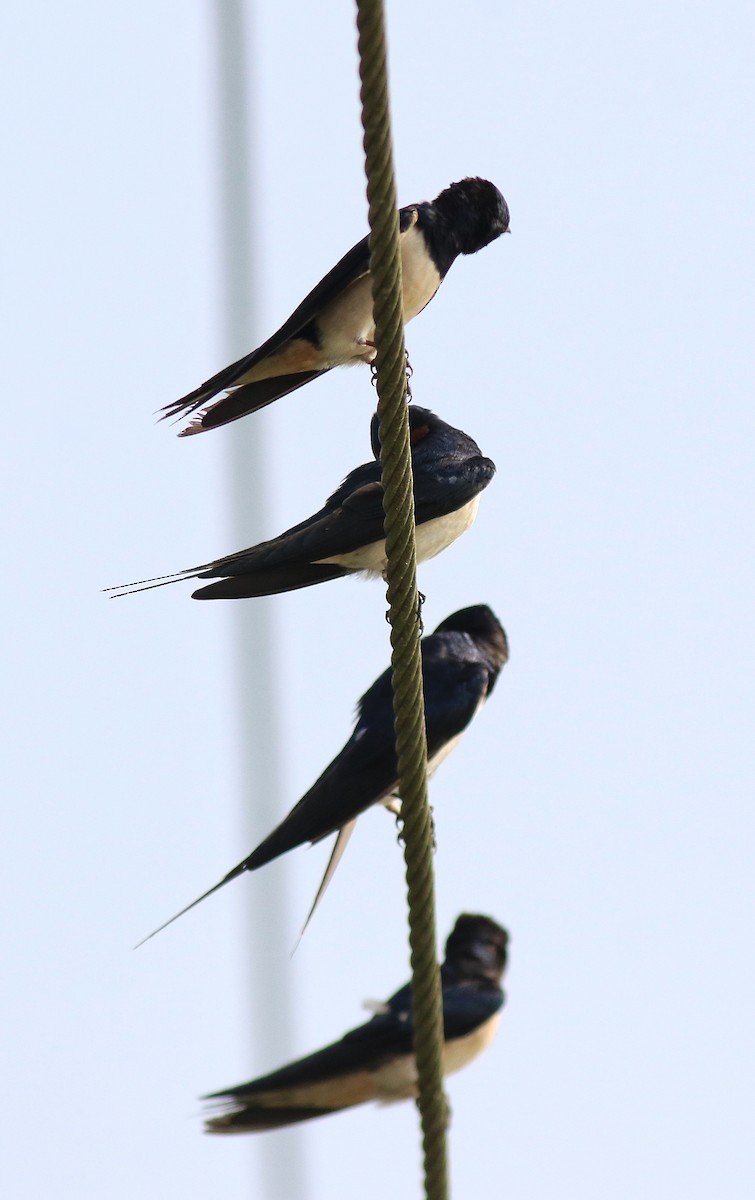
point(461, 662)
point(449, 472)
point(459, 670)
point(369, 1061)
point(463, 218)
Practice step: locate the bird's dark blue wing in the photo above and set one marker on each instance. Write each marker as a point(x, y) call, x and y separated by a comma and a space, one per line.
point(364, 1048)
point(270, 581)
point(337, 1077)
point(354, 264)
point(388, 1035)
point(365, 771)
point(350, 518)
point(351, 267)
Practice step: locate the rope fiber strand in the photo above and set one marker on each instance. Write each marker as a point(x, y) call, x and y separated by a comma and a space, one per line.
point(403, 600)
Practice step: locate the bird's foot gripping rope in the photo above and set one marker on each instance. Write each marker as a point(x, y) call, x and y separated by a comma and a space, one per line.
point(421, 598)
point(409, 373)
point(400, 840)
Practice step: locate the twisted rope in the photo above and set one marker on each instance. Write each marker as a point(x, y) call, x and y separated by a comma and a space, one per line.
point(401, 578)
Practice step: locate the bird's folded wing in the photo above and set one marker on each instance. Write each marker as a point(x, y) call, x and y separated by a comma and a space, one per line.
point(339, 528)
point(270, 581)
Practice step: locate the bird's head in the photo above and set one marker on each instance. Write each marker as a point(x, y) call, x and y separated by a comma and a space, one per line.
point(474, 212)
point(421, 422)
point(481, 623)
point(477, 948)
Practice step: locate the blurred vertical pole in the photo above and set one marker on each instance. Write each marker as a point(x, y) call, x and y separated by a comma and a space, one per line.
point(268, 938)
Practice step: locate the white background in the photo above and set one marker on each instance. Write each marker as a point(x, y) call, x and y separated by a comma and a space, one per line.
point(601, 806)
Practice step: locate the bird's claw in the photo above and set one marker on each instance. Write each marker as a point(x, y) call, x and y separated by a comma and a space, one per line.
point(400, 839)
point(409, 372)
point(421, 597)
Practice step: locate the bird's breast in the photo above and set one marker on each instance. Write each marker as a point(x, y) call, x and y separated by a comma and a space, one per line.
point(433, 536)
point(396, 1080)
point(461, 1051)
point(346, 325)
point(419, 273)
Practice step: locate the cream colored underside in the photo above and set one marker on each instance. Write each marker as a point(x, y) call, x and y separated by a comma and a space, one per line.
point(432, 537)
point(346, 326)
point(397, 1080)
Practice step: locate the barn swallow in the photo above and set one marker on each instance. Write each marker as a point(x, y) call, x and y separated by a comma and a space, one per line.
point(376, 1060)
point(346, 536)
point(461, 661)
point(333, 325)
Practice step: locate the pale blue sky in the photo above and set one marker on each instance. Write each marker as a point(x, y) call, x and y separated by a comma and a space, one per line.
point(601, 807)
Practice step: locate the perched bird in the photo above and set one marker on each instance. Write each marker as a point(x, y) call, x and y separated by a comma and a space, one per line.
point(333, 325)
point(376, 1060)
point(346, 536)
point(461, 661)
